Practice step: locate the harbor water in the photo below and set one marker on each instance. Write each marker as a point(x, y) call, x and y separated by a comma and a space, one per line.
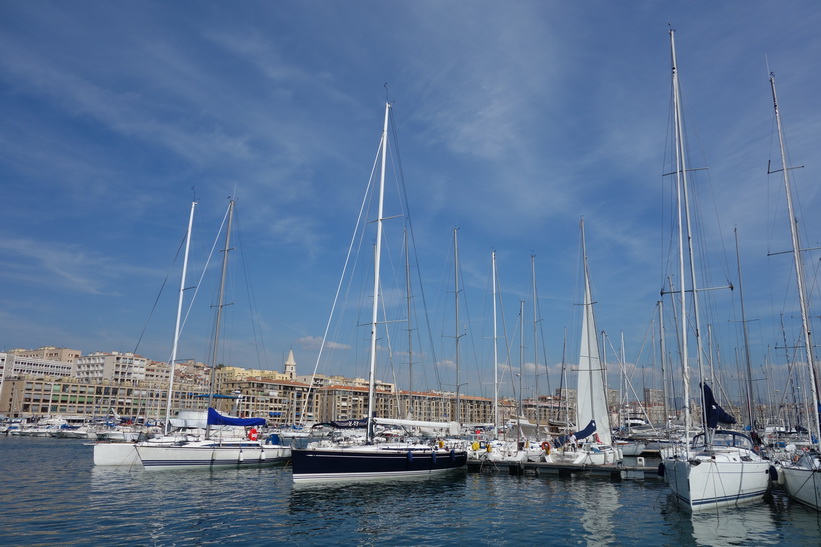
point(52, 494)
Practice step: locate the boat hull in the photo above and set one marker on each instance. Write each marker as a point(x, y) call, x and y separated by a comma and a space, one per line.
point(213, 456)
point(803, 485)
point(116, 454)
point(372, 463)
point(710, 481)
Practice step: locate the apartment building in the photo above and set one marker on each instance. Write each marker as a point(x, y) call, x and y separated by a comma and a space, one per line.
point(116, 366)
point(49, 353)
point(14, 364)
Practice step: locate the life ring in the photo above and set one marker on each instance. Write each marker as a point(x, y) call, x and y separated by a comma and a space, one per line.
point(546, 447)
point(253, 434)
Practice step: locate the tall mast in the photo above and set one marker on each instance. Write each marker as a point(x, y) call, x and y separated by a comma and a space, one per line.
point(219, 310)
point(495, 352)
point(410, 324)
point(535, 340)
point(458, 336)
point(173, 362)
point(377, 261)
point(622, 376)
point(799, 274)
point(564, 381)
point(663, 350)
point(521, 412)
point(682, 192)
point(750, 403)
point(682, 292)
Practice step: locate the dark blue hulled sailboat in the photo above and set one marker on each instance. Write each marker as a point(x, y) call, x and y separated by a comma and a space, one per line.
point(328, 461)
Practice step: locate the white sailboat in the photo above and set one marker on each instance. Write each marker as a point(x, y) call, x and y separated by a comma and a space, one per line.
point(125, 453)
point(802, 477)
point(216, 449)
point(326, 461)
point(719, 468)
point(593, 444)
point(521, 437)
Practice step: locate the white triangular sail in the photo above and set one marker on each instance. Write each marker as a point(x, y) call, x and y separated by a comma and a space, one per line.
point(591, 396)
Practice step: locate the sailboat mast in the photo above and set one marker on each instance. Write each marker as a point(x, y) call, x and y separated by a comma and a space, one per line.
point(521, 412)
point(535, 340)
point(750, 403)
point(684, 222)
point(376, 267)
point(682, 293)
point(622, 377)
point(799, 273)
point(495, 352)
point(410, 324)
point(564, 381)
point(173, 362)
point(219, 311)
point(456, 295)
point(663, 350)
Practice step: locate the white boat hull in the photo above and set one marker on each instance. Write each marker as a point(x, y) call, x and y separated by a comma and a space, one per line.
point(116, 454)
point(212, 455)
point(802, 484)
point(632, 448)
point(719, 479)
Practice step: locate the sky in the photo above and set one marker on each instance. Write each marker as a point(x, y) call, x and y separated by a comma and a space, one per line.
point(514, 121)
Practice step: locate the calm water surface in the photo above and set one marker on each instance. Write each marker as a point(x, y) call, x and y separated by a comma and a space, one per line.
point(51, 494)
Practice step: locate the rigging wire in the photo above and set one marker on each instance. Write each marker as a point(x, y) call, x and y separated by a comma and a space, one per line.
point(159, 294)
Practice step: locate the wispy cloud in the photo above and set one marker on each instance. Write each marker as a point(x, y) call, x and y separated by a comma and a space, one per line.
point(41, 264)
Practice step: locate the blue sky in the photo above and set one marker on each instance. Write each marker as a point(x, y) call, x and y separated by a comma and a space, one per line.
point(514, 119)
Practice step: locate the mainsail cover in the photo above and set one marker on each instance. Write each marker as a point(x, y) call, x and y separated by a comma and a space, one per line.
point(215, 418)
point(346, 424)
point(714, 413)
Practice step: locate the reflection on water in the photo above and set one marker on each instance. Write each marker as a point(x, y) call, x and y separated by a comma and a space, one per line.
point(750, 525)
point(50, 493)
point(377, 511)
point(774, 521)
point(599, 504)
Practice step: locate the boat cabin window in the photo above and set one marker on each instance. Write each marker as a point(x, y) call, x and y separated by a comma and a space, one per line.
point(725, 438)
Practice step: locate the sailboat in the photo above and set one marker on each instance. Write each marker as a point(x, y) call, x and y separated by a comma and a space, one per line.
point(216, 449)
point(125, 453)
point(325, 461)
point(719, 467)
point(592, 410)
point(802, 477)
point(521, 437)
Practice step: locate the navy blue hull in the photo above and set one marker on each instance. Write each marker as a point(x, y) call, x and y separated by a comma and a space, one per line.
point(365, 463)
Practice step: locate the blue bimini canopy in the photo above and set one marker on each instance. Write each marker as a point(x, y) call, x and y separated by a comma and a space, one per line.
point(215, 418)
point(586, 432)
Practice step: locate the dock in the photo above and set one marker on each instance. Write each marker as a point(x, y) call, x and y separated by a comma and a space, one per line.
point(612, 471)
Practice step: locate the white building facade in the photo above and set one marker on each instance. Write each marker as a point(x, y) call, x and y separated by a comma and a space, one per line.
point(116, 366)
